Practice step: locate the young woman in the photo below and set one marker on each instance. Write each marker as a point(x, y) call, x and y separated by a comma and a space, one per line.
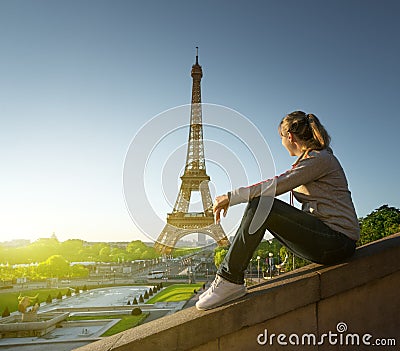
point(325, 230)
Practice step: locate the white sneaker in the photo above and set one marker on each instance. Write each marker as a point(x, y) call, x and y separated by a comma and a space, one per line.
point(220, 291)
point(205, 292)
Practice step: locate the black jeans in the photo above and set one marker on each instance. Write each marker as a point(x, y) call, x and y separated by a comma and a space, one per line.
point(304, 234)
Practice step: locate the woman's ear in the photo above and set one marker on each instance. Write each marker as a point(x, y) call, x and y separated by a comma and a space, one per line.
point(290, 137)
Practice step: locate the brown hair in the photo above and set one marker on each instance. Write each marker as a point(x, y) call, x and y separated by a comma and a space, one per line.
point(307, 128)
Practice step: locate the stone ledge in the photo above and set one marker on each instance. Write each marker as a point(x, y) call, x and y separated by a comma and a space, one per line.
point(290, 292)
point(371, 261)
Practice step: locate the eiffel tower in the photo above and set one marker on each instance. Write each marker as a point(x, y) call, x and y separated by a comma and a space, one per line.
point(181, 222)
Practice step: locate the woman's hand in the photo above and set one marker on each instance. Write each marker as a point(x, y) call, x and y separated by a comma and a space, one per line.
point(221, 203)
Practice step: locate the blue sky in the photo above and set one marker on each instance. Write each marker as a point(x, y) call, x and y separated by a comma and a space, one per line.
point(78, 79)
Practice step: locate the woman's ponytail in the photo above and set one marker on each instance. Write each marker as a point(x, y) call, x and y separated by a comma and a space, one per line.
point(321, 137)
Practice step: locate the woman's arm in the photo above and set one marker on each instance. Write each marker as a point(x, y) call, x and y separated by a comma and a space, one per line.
point(307, 170)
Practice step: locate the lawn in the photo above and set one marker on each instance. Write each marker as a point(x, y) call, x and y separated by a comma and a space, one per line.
point(10, 299)
point(126, 322)
point(175, 292)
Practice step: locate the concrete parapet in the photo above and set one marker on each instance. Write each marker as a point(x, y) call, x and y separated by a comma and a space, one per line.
point(13, 326)
point(307, 306)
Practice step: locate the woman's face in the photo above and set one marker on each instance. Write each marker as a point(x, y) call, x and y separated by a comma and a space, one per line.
point(288, 143)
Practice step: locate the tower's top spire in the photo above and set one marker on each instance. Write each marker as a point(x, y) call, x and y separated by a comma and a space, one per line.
point(196, 68)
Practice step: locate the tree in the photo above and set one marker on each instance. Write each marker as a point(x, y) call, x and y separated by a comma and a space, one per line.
point(43, 248)
point(72, 249)
point(136, 311)
point(54, 266)
point(49, 299)
point(6, 312)
point(79, 271)
point(379, 223)
point(219, 255)
point(138, 250)
point(298, 262)
point(105, 253)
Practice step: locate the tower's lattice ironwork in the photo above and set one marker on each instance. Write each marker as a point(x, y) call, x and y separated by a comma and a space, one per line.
point(181, 222)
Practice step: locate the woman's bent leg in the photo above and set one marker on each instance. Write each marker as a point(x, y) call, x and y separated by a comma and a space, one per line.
point(243, 246)
point(307, 236)
point(302, 233)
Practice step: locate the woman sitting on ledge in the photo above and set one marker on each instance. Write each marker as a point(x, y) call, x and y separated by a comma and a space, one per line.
point(325, 230)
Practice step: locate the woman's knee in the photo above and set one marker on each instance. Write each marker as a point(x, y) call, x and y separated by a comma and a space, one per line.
point(256, 215)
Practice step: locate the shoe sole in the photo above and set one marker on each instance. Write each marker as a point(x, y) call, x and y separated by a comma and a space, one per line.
point(231, 298)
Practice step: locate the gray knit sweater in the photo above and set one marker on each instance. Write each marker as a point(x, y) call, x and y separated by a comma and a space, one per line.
point(319, 183)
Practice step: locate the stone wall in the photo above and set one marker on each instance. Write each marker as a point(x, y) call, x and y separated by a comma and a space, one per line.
point(353, 302)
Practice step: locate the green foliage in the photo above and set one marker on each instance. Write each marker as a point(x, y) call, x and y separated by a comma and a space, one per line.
point(49, 258)
point(105, 254)
point(219, 255)
point(75, 250)
point(6, 312)
point(54, 266)
point(68, 293)
point(134, 302)
point(78, 271)
point(136, 311)
point(298, 262)
point(146, 295)
point(141, 299)
point(129, 302)
point(379, 223)
point(49, 299)
point(263, 250)
point(59, 296)
point(138, 250)
point(184, 251)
